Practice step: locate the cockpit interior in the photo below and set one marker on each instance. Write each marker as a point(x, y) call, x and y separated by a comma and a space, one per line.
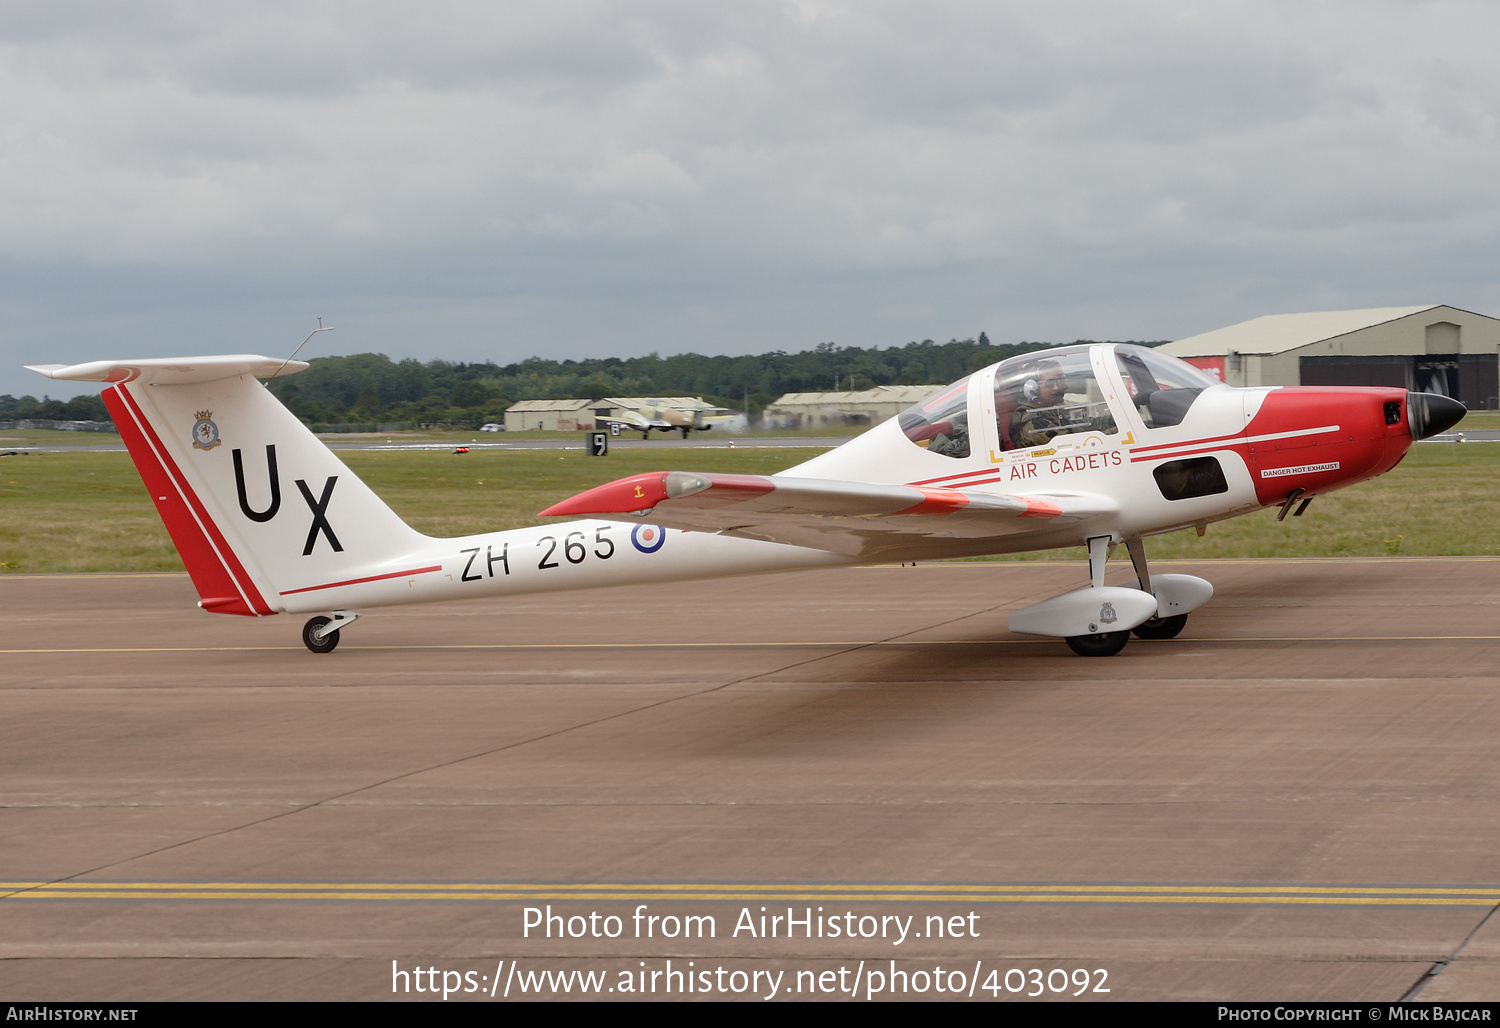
point(1041, 396)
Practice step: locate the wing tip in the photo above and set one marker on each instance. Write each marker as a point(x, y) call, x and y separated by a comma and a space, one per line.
point(622, 496)
point(638, 494)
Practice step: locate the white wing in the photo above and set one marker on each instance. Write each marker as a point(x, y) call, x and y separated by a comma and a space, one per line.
point(861, 519)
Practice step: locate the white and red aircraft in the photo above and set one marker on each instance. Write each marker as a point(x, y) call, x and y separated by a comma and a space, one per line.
point(1091, 445)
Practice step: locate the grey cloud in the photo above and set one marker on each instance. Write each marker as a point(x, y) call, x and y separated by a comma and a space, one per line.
point(281, 50)
point(688, 175)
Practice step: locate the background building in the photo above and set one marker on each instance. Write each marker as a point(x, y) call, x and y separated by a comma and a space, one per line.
point(866, 407)
point(1434, 349)
point(549, 415)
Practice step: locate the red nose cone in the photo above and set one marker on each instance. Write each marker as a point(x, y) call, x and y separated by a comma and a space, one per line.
point(1319, 439)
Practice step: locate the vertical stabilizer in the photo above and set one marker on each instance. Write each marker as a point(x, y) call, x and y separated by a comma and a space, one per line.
point(257, 506)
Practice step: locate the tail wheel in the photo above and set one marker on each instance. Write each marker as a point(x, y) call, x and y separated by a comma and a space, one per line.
point(1161, 628)
point(1105, 644)
point(319, 643)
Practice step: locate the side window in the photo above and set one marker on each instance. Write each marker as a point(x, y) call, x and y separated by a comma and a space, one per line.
point(1162, 388)
point(1185, 479)
point(940, 423)
point(1038, 398)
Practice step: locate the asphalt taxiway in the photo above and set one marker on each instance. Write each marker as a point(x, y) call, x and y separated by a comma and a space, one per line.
point(1297, 799)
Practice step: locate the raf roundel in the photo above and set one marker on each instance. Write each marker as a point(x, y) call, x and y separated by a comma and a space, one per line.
point(647, 538)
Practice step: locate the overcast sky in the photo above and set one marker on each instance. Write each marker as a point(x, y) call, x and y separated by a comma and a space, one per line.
point(495, 180)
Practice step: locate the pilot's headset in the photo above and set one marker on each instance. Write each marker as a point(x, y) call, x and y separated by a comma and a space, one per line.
point(1031, 389)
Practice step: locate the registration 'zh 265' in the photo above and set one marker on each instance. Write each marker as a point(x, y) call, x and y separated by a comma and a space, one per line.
point(572, 548)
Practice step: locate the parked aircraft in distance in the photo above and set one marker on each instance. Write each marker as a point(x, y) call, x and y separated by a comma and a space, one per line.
point(662, 418)
point(1094, 445)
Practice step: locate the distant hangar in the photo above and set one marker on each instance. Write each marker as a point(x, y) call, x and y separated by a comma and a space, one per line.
point(1435, 349)
point(578, 415)
point(857, 407)
point(549, 415)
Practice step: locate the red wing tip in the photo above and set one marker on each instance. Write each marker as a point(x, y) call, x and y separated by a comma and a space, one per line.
point(640, 493)
point(623, 496)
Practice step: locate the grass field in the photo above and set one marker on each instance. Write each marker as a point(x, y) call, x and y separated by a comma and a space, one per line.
point(86, 512)
point(14, 437)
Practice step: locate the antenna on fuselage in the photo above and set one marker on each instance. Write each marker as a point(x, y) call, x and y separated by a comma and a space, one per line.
point(300, 345)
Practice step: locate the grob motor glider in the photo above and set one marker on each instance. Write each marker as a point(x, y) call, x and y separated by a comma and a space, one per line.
point(1094, 445)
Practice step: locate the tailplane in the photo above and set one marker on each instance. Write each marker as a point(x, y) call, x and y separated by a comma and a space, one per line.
point(258, 508)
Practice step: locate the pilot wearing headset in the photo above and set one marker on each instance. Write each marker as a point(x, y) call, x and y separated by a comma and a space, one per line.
point(1038, 413)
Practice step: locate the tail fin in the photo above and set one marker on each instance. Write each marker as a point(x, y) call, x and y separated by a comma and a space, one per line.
point(257, 506)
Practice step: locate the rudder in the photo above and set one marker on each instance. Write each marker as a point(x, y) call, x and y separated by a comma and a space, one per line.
point(256, 505)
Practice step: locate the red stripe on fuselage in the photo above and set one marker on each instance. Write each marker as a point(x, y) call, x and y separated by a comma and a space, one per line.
point(952, 478)
point(1191, 447)
point(210, 562)
point(1224, 439)
point(358, 581)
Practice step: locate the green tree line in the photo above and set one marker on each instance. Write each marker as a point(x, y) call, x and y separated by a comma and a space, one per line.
point(369, 387)
point(80, 408)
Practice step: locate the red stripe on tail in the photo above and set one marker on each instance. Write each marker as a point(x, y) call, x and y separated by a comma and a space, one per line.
point(216, 572)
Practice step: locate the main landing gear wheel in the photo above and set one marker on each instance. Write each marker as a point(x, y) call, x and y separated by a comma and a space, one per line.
point(319, 643)
point(1105, 644)
point(1161, 628)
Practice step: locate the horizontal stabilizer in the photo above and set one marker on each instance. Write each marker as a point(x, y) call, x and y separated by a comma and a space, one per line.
point(170, 370)
point(860, 519)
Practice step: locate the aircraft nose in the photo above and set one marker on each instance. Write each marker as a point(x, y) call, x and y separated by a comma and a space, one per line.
point(1427, 414)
